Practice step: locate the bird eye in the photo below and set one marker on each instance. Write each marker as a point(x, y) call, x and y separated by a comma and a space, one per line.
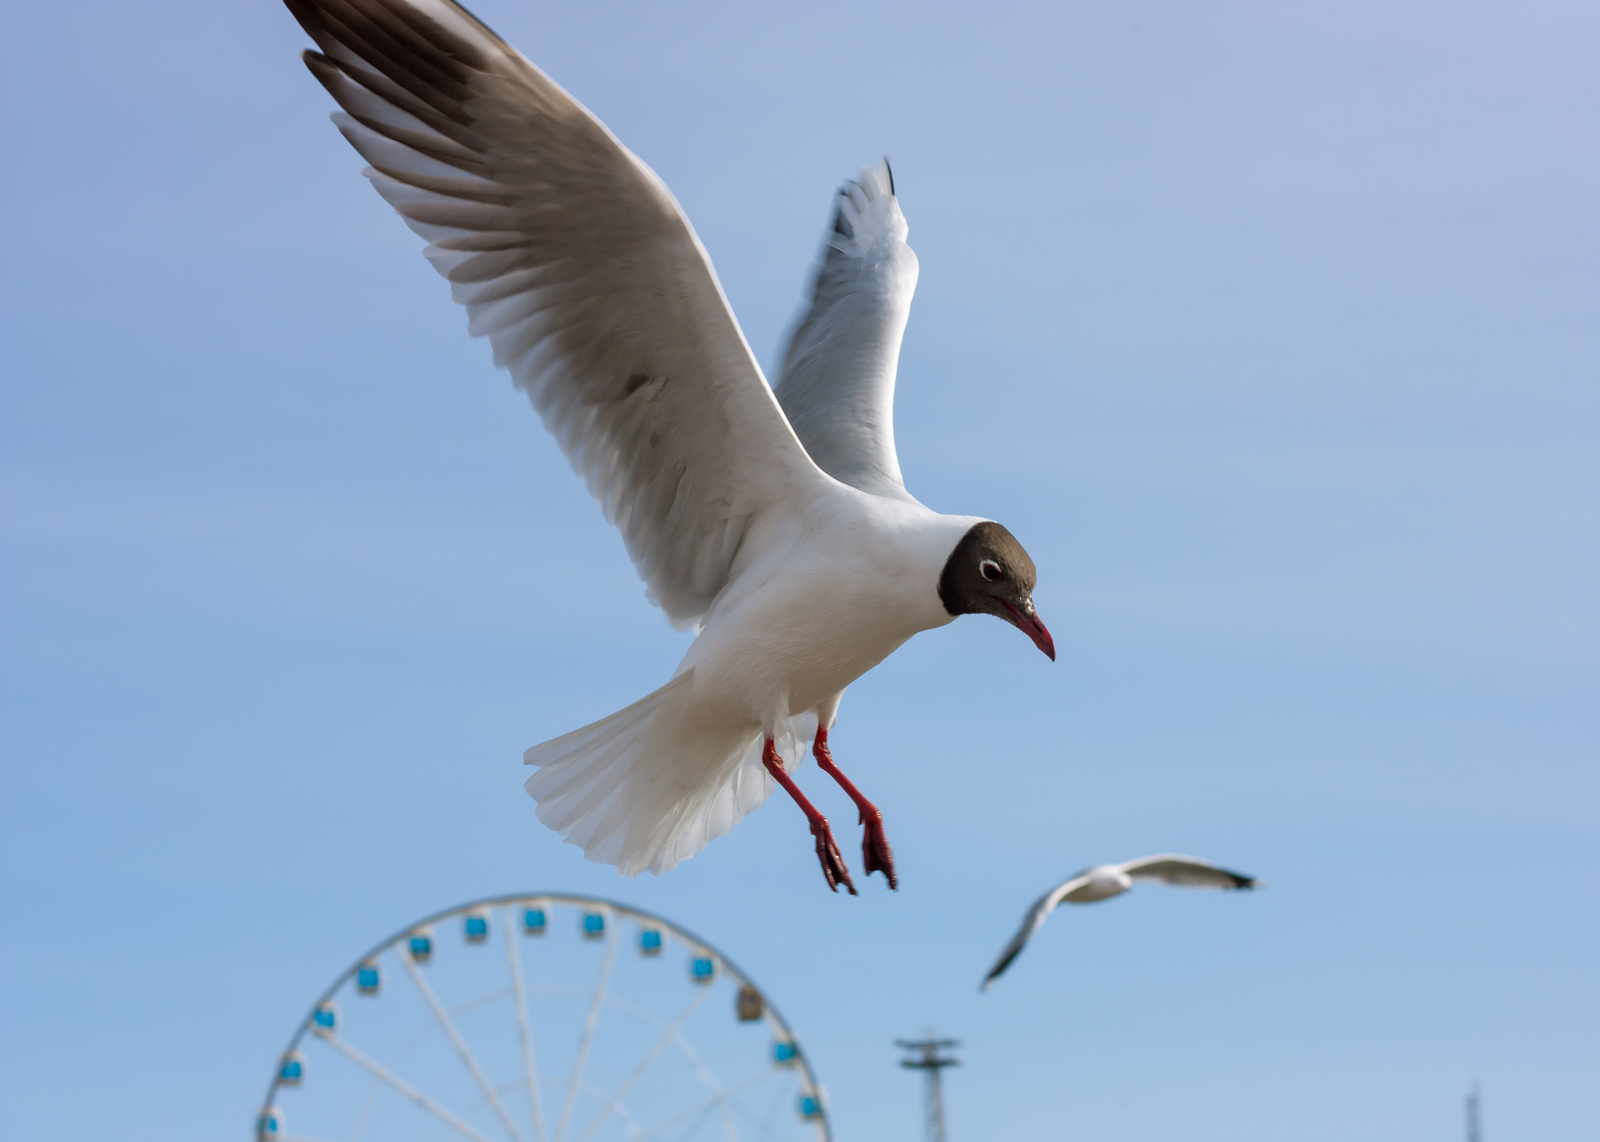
point(990, 570)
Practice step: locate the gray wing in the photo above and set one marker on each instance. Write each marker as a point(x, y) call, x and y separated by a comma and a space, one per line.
point(1188, 871)
point(1031, 923)
point(572, 258)
point(837, 385)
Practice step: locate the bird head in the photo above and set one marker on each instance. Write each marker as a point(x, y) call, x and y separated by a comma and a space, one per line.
point(989, 573)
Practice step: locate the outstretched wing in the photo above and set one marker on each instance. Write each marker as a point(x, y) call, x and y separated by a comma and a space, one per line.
point(837, 385)
point(1188, 871)
point(1031, 923)
point(572, 258)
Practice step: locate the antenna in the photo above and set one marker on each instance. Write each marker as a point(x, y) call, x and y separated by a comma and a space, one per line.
point(1474, 1120)
point(926, 1057)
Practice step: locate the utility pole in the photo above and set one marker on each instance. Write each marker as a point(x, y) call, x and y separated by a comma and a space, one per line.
point(1474, 1122)
point(926, 1058)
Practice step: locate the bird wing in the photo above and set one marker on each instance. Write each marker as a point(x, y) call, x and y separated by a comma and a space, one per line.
point(837, 384)
point(572, 257)
point(1031, 923)
point(1188, 871)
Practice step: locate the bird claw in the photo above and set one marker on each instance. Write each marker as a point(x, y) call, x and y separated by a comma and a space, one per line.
point(876, 855)
point(831, 859)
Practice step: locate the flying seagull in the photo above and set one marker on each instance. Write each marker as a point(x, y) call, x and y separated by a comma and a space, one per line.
point(1104, 881)
point(775, 523)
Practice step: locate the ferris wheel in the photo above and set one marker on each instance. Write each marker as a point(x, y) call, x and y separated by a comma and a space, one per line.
point(543, 1018)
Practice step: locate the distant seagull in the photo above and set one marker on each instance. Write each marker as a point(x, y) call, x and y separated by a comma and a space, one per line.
point(777, 525)
point(1104, 881)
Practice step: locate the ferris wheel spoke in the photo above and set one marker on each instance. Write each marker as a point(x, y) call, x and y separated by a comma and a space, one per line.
point(460, 1044)
point(762, 1124)
point(700, 1108)
point(701, 1071)
point(530, 1064)
point(650, 1057)
point(697, 1126)
point(589, 1025)
point(385, 1075)
point(366, 1110)
point(772, 1117)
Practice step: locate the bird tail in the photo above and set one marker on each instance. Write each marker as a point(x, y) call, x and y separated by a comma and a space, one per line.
point(636, 791)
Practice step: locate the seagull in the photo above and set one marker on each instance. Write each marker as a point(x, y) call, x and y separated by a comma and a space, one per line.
point(1104, 881)
point(773, 522)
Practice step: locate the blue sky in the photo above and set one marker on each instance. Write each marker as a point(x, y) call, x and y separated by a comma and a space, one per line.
point(1269, 329)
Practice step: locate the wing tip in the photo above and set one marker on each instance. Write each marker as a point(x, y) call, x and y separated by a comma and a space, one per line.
point(866, 213)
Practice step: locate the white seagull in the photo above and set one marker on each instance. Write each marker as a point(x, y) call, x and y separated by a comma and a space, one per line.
point(774, 523)
point(1104, 881)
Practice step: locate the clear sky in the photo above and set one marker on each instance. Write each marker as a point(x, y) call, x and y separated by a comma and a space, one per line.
point(1273, 331)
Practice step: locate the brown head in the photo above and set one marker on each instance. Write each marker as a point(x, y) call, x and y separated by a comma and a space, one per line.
point(989, 573)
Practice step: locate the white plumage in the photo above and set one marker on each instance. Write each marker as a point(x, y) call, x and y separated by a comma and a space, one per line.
point(790, 542)
point(1104, 881)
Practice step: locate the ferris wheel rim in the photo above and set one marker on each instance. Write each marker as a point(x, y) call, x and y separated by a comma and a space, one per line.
point(825, 1121)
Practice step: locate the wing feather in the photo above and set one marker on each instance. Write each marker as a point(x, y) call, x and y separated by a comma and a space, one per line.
point(1187, 871)
point(576, 263)
point(837, 384)
point(1031, 923)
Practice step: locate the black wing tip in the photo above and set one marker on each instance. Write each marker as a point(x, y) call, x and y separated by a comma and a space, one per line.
point(307, 15)
point(889, 170)
point(1243, 883)
point(999, 969)
point(396, 34)
point(326, 71)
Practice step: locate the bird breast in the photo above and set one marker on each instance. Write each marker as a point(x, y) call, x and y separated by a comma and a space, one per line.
point(813, 616)
point(1104, 883)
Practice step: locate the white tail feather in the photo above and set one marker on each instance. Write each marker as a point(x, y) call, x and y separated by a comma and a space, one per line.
point(634, 791)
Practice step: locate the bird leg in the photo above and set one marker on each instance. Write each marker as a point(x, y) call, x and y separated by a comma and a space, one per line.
point(876, 855)
point(828, 855)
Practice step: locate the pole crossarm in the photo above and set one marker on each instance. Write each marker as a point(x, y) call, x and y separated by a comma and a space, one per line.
point(926, 1057)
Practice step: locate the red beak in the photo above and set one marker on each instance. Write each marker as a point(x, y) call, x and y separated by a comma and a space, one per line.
point(1034, 629)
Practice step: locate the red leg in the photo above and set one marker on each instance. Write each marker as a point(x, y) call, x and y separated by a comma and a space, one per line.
point(876, 855)
point(833, 866)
